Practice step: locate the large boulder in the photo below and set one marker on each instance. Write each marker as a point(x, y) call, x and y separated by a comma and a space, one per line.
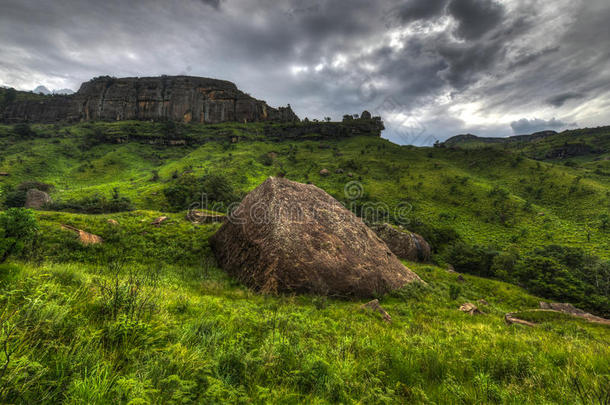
point(406, 245)
point(36, 199)
point(292, 237)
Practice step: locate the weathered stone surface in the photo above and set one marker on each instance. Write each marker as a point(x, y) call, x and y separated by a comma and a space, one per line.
point(470, 308)
point(85, 238)
point(292, 237)
point(374, 306)
point(177, 98)
point(36, 199)
point(404, 244)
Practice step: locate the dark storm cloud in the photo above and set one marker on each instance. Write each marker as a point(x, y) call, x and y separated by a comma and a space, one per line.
point(213, 3)
point(448, 66)
point(475, 17)
point(560, 99)
point(526, 126)
point(419, 9)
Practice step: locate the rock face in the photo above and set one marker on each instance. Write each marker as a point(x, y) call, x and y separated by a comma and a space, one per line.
point(404, 244)
point(36, 199)
point(177, 98)
point(292, 237)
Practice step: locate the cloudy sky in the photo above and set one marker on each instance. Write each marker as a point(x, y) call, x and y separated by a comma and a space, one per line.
point(430, 68)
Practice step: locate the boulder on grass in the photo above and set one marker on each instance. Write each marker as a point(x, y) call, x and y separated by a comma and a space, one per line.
point(36, 199)
point(406, 245)
point(292, 237)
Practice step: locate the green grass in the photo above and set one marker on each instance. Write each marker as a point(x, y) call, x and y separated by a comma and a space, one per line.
point(202, 338)
point(146, 317)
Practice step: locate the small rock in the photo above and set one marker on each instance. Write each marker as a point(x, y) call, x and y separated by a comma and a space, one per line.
point(510, 319)
point(374, 306)
point(36, 199)
point(4, 174)
point(470, 309)
point(483, 302)
point(159, 221)
point(451, 269)
point(85, 238)
point(339, 171)
point(113, 222)
point(460, 278)
point(324, 172)
point(350, 174)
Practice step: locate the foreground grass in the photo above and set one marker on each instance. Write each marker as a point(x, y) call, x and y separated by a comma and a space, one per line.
point(196, 336)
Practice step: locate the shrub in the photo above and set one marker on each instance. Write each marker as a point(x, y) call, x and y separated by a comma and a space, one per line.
point(471, 259)
point(212, 188)
point(95, 204)
point(18, 229)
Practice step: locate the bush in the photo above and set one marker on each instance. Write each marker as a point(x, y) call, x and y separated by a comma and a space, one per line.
point(23, 130)
point(95, 204)
point(214, 188)
point(471, 259)
point(18, 229)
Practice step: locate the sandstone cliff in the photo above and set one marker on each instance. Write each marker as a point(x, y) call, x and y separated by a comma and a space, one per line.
point(177, 98)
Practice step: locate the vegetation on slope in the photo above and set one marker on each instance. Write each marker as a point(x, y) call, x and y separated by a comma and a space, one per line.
point(119, 323)
point(147, 317)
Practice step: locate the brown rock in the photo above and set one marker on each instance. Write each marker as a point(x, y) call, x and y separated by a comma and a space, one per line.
point(510, 319)
point(113, 222)
point(85, 238)
point(350, 174)
point(36, 199)
point(374, 306)
point(324, 172)
point(572, 310)
point(291, 237)
point(470, 309)
point(4, 174)
point(159, 221)
point(404, 244)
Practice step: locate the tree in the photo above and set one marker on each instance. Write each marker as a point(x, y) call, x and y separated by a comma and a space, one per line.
point(18, 229)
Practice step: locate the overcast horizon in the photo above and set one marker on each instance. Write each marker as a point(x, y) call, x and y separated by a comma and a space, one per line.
point(431, 68)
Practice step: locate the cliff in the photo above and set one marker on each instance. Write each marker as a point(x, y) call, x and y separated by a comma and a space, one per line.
point(175, 98)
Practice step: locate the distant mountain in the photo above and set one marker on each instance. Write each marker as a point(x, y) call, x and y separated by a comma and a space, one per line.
point(63, 91)
point(586, 143)
point(44, 90)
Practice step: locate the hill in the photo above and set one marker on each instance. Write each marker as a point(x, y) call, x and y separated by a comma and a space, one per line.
point(573, 146)
point(147, 316)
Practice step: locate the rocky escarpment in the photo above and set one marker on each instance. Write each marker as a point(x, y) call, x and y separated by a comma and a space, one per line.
point(176, 98)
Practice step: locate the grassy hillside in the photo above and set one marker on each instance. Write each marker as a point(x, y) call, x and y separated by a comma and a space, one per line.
point(147, 317)
point(572, 147)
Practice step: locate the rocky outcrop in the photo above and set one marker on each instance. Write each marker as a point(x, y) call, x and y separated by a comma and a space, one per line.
point(36, 199)
point(292, 237)
point(404, 244)
point(176, 98)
